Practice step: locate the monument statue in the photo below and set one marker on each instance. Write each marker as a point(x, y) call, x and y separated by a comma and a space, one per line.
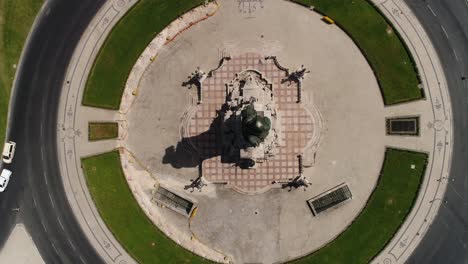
point(251, 123)
point(255, 128)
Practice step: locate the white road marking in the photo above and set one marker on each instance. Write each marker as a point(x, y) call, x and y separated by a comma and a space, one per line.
point(455, 54)
point(432, 11)
point(60, 223)
point(41, 132)
point(81, 258)
point(71, 244)
point(54, 248)
point(51, 201)
point(455, 191)
point(42, 223)
point(45, 178)
point(34, 202)
point(445, 32)
point(43, 158)
point(42, 153)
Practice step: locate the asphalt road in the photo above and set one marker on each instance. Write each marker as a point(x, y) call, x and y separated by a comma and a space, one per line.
point(36, 187)
point(446, 22)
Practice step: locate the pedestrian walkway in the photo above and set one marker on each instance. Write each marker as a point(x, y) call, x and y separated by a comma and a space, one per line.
point(73, 131)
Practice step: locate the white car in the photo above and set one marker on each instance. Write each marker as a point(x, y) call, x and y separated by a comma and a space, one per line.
point(4, 179)
point(8, 151)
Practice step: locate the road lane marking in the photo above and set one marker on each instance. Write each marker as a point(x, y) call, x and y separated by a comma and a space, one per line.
point(42, 223)
point(52, 202)
point(455, 54)
point(55, 249)
point(455, 191)
point(432, 11)
point(81, 258)
point(45, 178)
point(445, 32)
point(60, 223)
point(71, 244)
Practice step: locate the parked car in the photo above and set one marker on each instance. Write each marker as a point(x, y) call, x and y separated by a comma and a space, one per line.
point(8, 151)
point(4, 179)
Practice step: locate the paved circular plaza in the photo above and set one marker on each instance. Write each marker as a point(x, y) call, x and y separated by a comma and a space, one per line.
point(335, 122)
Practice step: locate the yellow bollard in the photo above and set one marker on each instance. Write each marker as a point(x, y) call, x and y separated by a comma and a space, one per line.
point(328, 20)
point(194, 212)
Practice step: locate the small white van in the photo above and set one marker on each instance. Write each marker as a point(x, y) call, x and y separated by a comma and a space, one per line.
point(8, 151)
point(4, 179)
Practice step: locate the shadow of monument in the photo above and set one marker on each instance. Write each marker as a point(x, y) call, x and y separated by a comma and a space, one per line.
point(190, 152)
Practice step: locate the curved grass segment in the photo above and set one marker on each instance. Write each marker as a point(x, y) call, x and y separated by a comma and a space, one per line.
point(384, 213)
point(125, 44)
point(122, 214)
point(392, 64)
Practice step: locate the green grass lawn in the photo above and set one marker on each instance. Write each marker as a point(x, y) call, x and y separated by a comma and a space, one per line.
point(102, 130)
point(122, 214)
point(125, 44)
point(380, 44)
point(386, 210)
point(16, 18)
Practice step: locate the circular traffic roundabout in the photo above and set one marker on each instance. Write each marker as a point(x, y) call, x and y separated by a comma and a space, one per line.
point(253, 132)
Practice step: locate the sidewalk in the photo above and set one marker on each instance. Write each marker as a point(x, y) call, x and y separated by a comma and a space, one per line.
point(73, 132)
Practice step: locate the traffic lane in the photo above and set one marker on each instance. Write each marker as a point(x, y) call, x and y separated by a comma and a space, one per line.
point(457, 87)
point(446, 239)
point(459, 10)
point(50, 219)
point(12, 198)
point(446, 245)
point(452, 46)
point(39, 233)
point(453, 20)
point(10, 201)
